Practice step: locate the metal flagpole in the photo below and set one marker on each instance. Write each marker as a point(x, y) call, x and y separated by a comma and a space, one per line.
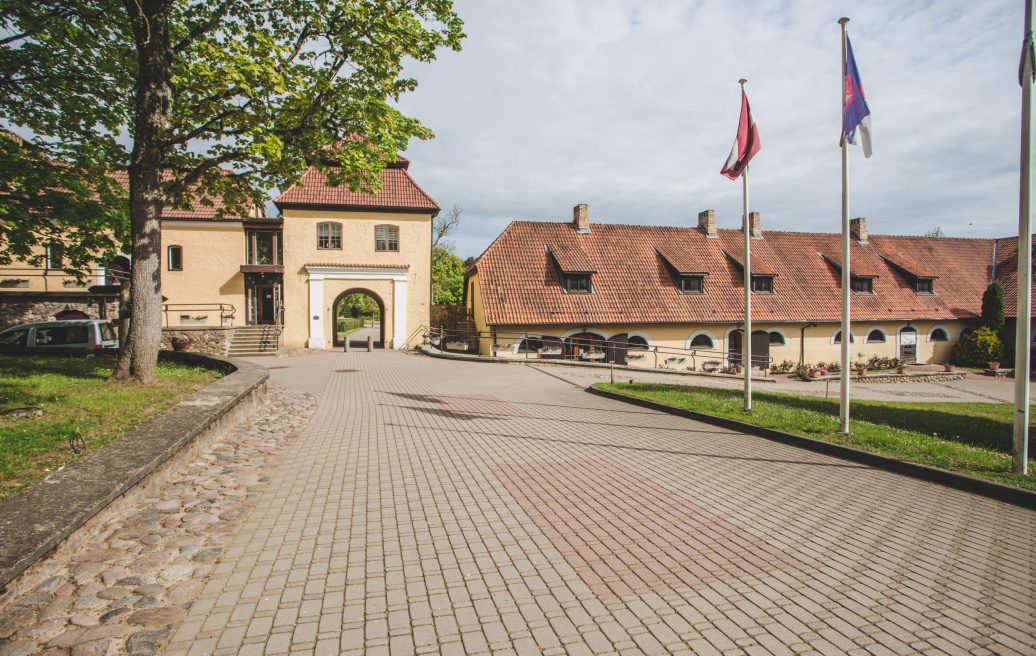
point(1023, 327)
point(843, 415)
point(746, 339)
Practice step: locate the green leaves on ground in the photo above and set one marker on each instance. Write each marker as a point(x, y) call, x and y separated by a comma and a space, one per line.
point(75, 398)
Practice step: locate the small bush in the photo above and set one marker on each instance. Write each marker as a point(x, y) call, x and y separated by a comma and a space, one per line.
point(784, 367)
point(978, 347)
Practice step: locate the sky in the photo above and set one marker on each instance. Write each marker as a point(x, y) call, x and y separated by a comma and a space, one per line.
point(632, 106)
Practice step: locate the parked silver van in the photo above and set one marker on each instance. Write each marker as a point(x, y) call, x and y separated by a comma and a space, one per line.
point(72, 336)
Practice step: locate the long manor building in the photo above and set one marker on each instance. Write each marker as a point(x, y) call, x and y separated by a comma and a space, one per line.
point(545, 284)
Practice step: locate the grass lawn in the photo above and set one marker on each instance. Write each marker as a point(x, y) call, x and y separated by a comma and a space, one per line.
point(76, 398)
point(971, 438)
point(349, 325)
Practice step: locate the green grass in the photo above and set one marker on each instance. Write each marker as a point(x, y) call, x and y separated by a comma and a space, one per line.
point(349, 325)
point(76, 398)
point(971, 438)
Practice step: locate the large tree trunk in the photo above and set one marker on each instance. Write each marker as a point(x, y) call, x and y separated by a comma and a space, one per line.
point(122, 367)
point(153, 108)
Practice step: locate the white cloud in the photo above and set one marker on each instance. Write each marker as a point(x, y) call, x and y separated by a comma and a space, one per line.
point(631, 106)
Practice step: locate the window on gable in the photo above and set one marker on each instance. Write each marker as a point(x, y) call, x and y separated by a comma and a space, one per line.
point(577, 283)
point(876, 336)
point(329, 235)
point(690, 284)
point(938, 335)
point(863, 285)
point(762, 284)
point(386, 238)
point(174, 258)
point(925, 286)
point(55, 256)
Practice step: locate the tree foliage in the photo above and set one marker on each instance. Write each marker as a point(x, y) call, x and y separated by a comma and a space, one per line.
point(359, 306)
point(978, 347)
point(447, 277)
point(223, 99)
point(993, 307)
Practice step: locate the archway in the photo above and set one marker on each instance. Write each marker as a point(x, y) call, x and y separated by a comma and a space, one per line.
point(585, 346)
point(358, 313)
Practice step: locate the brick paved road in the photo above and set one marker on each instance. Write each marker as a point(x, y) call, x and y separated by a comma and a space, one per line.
point(449, 507)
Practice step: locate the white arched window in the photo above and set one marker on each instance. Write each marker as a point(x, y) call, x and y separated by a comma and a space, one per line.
point(837, 338)
point(777, 338)
point(938, 334)
point(700, 339)
point(876, 336)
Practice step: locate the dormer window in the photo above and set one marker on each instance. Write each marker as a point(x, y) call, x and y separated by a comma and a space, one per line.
point(863, 285)
point(577, 283)
point(762, 284)
point(692, 284)
point(925, 286)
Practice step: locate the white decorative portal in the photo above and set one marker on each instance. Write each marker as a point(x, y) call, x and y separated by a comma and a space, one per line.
point(317, 276)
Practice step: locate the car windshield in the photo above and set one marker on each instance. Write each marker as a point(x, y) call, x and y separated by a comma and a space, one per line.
point(14, 338)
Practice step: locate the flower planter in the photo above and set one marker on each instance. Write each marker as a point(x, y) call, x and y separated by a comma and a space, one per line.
point(592, 356)
point(181, 344)
point(947, 367)
point(861, 371)
point(549, 351)
point(814, 373)
point(900, 369)
point(457, 346)
point(993, 365)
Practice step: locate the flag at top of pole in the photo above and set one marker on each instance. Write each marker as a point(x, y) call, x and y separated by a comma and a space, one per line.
point(746, 145)
point(857, 115)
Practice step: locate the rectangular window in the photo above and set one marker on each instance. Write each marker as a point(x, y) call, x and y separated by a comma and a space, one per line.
point(329, 236)
point(264, 247)
point(692, 284)
point(577, 284)
point(762, 284)
point(386, 238)
point(55, 256)
point(107, 332)
point(174, 258)
point(925, 286)
point(863, 285)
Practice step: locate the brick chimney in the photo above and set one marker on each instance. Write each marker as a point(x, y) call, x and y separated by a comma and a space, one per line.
point(707, 222)
point(581, 218)
point(858, 229)
point(755, 225)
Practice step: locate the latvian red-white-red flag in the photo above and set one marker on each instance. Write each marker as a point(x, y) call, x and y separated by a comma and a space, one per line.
point(745, 146)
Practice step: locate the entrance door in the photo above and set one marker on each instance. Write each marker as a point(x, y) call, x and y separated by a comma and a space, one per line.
point(616, 349)
point(264, 304)
point(908, 345)
point(760, 349)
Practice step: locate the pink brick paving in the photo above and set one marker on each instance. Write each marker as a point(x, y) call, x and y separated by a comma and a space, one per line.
point(387, 530)
point(625, 535)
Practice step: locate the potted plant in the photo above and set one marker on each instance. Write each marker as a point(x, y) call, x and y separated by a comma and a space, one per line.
point(181, 343)
point(949, 367)
point(814, 373)
point(993, 365)
point(901, 368)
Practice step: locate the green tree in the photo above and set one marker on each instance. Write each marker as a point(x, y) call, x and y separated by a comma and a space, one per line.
point(978, 347)
point(227, 99)
point(993, 307)
point(935, 232)
point(447, 277)
point(470, 260)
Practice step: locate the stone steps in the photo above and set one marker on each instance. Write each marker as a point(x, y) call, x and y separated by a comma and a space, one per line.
point(254, 340)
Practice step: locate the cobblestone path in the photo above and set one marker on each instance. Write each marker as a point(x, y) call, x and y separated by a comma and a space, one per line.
point(464, 508)
point(132, 587)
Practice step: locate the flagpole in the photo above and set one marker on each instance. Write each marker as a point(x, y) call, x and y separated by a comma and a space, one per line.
point(1023, 327)
point(843, 414)
point(746, 340)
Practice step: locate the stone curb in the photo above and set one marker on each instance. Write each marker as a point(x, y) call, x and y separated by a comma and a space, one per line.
point(39, 518)
point(436, 353)
point(982, 487)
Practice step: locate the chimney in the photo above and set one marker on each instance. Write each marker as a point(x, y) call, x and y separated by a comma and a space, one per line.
point(707, 222)
point(755, 225)
point(581, 218)
point(858, 229)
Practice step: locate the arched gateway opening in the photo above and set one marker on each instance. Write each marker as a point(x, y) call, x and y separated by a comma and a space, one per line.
point(359, 313)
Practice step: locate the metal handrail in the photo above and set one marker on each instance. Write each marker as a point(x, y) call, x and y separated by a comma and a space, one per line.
point(226, 310)
point(664, 356)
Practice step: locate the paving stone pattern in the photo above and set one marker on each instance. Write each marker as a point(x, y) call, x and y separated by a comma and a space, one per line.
point(463, 508)
point(132, 587)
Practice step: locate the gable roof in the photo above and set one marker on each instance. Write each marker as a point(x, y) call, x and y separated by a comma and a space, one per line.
point(520, 284)
point(398, 192)
point(209, 209)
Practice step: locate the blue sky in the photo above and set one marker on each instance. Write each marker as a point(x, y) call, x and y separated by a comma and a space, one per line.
point(631, 106)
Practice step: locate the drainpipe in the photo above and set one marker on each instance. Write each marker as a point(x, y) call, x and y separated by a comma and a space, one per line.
point(802, 343)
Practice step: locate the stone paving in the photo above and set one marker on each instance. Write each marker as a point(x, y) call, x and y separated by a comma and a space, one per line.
point(132, 587)
point(466, 508)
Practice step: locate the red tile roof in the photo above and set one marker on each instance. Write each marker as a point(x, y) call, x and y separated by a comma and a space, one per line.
point(398, 192)
point(520, 286)
point(682, 261)
point(1007, 273)
point(569, 258)
point(208, 209)
point(863, 261)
